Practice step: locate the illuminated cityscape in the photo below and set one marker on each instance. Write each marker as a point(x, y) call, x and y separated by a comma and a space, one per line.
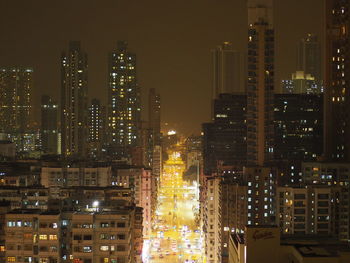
point(175, 131)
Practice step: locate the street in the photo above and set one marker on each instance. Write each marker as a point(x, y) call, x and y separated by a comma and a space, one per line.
point(175, 236)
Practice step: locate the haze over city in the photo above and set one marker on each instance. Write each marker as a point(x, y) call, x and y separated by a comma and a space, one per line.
point(175, 131)
point(172, 40)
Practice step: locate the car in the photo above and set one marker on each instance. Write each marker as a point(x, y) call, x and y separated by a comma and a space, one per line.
point(161, 256)
point(167, 253)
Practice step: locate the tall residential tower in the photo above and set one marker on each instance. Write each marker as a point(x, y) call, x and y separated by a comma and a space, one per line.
point(124, 110)
point(49, 125)
point(15, 96)
point(154, 115)
point(260, 86)
point(74, 107)
point(337, 79)
point(227, 70)
point(309, 56)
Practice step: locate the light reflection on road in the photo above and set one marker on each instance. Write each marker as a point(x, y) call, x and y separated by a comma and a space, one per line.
point(175, 237)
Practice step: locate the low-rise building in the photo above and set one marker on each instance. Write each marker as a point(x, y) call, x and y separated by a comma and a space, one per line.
point(85, 236)
point(262, 244)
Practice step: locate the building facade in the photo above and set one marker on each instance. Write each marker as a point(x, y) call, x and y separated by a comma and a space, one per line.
point(260, 86)
point(309, 56)
point(336, 75)
point(16, 86)
point(49, 125)
point(227, 70)
point(124, 110)
point(224, 140)
point(74, 107)
point(298, 126)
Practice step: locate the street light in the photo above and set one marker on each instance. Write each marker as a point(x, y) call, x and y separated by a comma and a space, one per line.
point(95, 205)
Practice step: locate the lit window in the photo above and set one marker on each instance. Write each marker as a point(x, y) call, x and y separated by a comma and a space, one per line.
point(27, 223)
point(104, 248)
point(53, 237)
point(43, 237)
point(87, 249)
point(11, 259)
point(44, 260)
point(11, 223)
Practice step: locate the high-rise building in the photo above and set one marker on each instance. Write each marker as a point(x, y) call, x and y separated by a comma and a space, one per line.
point(302, 83)
point(298, 126)
point(74, 107)
point(154, 115)
point(260, 86)
point(95, 121)
point(16, 85)
point(49, 125)
point(261, 187)
point(306, 210)
point(337, 78)
point(124, 110)
point(227, 70)
point(309, 56)
point(224, 139)
point(97, 127)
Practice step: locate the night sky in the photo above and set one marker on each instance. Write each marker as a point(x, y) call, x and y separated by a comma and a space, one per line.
point(172, 40)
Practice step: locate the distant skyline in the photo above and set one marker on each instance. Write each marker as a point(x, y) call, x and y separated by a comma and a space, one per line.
point(172, 41)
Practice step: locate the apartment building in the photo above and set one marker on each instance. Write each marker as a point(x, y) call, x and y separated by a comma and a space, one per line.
point(32, 236)
point(139, 179)
point(90, 236)
point(212, 220)
point(25, 197)
point(261, 185)
point(105, 237)
point(336, 175)
point(304, 210)
point(55, 177)
point(233, 211)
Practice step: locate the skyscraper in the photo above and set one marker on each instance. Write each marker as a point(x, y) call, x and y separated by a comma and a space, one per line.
point(97, 128)
point(337, 79)
point(74, 108)
point(298, 126)
point(227, 70)
point(301, 83)
point(95, 121)
point(224, 139)
point(49, 125)
point(15, 97)
point(154, 115)
point(260, 86)
point(123, 100)
point(309, 56)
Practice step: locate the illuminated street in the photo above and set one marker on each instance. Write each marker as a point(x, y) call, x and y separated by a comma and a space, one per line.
point(175, 237)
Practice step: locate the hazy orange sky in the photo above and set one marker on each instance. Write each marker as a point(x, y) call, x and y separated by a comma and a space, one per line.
point(172, 40)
